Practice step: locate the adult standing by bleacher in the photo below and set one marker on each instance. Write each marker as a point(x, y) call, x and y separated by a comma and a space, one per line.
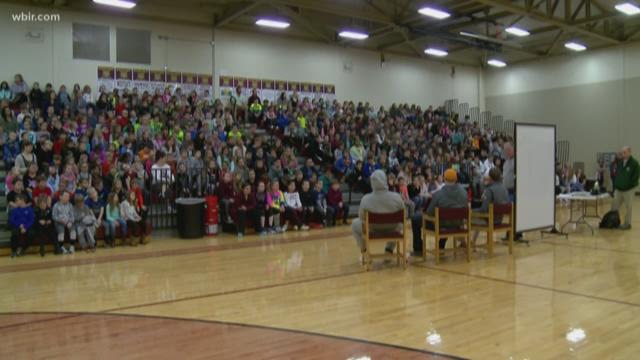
point(509, 176)
point(626, 180)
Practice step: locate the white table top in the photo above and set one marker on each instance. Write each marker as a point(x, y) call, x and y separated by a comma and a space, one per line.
point(583, 196)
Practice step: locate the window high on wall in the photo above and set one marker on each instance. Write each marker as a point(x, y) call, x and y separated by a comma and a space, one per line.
point(90, 42)
point(133, 46)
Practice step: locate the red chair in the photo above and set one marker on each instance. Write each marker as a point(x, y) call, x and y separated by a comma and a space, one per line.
point(371, 218)
point(490, 227)
point(461, 215)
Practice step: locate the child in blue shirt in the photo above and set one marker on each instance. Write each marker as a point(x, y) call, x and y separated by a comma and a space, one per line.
point(21, 220)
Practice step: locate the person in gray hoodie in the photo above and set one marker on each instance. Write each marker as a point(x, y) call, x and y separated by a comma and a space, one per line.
point(63, 218)
point(383, 201)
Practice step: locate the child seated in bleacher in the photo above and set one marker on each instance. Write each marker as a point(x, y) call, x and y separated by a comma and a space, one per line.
point(85, 224)
point(113, 218)
point(275, 203)
point(245, 208)
point(293, 208)
point(336, 203)
point(129, 212)
point(21, 219)
point(43, 227)
point(227, 196)
point(64, 222)
point(321, 209)
point(42, 190)
point(308, 200)
point(262, 209)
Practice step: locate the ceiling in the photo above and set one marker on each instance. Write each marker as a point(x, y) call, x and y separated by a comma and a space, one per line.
point(396, 27)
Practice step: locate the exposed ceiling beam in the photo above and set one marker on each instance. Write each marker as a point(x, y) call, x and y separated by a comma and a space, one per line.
point(336, 9)
point(551, 21)
point(580, 6)
point(631, 33)
point(554, 42)
point(478, 20)
point(236, 13)
point(401, 30)
point(519, 18)
point(449, 26)
point(553, 8)
point(303, 21)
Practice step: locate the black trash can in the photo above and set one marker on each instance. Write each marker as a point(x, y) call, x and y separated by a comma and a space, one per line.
point(190, 217)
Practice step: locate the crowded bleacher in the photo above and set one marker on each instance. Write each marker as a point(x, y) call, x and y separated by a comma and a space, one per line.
point(84, 166)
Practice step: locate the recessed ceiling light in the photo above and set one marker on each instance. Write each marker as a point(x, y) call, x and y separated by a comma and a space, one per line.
point(353, 35)
point(497, 63)
point(628, 8)
point(575, 46)
point(436, 52)
point(517, 31)
point(434, 13)
point(272, 23)
point(125, 4)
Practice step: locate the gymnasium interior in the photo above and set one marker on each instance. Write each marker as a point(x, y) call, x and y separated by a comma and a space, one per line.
point(319, 179)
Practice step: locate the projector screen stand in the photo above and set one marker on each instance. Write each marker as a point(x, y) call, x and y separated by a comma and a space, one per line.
point(554, 232)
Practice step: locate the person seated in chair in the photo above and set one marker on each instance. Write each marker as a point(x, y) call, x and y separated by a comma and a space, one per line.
point(451, 195)
point(381, 200)
point(494, 193)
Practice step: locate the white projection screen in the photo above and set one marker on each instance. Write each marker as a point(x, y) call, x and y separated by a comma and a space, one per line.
point(535, 159)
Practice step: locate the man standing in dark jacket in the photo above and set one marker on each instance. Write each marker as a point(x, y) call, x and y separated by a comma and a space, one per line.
point(625, 182)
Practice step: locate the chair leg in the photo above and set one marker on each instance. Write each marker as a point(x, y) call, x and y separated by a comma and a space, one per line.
point(404, 253)
point(468, 248)
point(490, 242)
point(510, 242)
point(424, 246)
point(455, 247)
point(437, 249)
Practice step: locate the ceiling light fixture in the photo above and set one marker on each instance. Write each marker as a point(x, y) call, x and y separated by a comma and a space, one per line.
point(272, 23)
point(517, 31)
point(125, 4)
point(436, 52)
point(575, 46)
point(434, 13)
point(628, 8)
point(356, 35)
point(497, 63)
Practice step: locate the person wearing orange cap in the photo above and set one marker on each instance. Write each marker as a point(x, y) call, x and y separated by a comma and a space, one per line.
point(451, 195)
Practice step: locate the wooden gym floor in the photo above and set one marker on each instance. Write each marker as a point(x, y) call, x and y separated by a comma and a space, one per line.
point(305, 296)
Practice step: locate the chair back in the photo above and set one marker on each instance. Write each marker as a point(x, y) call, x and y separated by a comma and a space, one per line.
point(453, 214)
point(388, 218)
point(502, 209)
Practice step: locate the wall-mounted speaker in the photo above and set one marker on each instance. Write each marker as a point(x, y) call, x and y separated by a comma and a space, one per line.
point(34, 35)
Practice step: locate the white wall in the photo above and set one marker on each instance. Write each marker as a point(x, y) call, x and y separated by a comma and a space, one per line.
point(402, 79)
point(52, 59)
point(591, 97)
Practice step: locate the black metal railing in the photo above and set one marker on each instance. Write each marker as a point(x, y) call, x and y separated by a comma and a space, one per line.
point(166, 186)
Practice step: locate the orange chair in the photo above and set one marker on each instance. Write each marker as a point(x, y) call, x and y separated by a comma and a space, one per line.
point(371, 218)
point(463, 215)
point(490, 227)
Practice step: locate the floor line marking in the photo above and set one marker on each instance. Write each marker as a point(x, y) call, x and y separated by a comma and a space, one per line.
point(163, 253)
point(539, 287)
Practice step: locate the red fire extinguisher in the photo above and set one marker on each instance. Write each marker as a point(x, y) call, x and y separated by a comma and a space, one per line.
point(211, 218)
